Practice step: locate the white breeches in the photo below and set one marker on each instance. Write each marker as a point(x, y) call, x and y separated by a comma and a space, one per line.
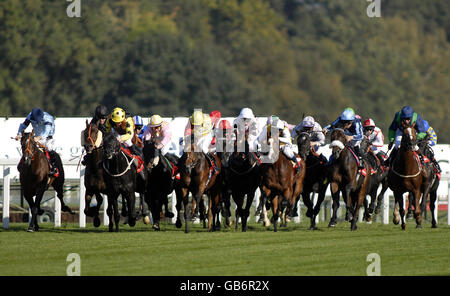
point(49, 143)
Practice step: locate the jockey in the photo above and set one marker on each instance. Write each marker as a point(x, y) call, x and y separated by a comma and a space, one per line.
point(432, 140)
point(200, 125)
point(123, 128)
point(284, 138)
point(215, 118)
point(160, 131)
point(246, 123)
point(313, 128)
point(100, 115)
point(376, 137)
point(408, 116)
point(44, 129)
point(353, 132)
point(139, 128)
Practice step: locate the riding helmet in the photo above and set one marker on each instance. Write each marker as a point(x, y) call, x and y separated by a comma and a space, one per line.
point(138, 121)
point(101, 111)
point(118, 115)
point(37, 114)
point(407, 112)
point(155, 121)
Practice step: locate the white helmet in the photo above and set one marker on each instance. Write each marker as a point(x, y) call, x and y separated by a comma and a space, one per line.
point(247, 113)
point(308, 121)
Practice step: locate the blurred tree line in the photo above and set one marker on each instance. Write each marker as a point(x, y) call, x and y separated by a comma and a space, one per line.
point(284, 57)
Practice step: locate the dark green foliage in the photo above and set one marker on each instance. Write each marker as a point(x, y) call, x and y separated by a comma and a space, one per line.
point(285, 57)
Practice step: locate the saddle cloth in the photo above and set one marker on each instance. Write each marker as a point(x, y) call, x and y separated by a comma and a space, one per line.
point(140, 165)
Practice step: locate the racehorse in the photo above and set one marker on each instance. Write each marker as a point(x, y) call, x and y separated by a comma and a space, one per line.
point(377, 178)
point(244, 179)
point(408, 175)
point(315, 178)
point(196, 176)
point(160, 183)
point(91, 140)
point(119, 173)
point(280, 184)
point(34, 179)
point(344, 176)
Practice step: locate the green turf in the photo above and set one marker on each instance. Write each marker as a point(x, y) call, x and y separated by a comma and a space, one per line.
point(291, 251)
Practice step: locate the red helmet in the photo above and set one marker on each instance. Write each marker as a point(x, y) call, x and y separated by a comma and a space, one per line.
point(224, 124)
point(369, 123)
point(215, 116)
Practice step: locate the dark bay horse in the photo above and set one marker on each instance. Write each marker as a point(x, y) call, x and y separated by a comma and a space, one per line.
point(160, 182)
point(315, 178)
point(376, 179)
point(94, 183)
point(119, 173)
point(408, 175)
point(34, 179)
point(344, 176)
point(196, 178)
point(244, 179)
point(280, 185)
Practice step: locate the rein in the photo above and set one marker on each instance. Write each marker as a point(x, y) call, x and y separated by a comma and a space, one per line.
point(243, 173)
point(408, 176)
point(122, 173)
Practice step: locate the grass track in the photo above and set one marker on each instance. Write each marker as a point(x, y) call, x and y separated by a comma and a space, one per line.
point(292, 251)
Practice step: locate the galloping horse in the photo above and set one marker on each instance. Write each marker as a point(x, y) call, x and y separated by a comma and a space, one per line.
point(315, 178)
point(119, 173)
point(91, 140)
point(280, 185)
point(379, 177)
point(196, 177)
point(244, 179)
point(344, 176)
point(160, 182)
point(408, 175)
point(34, 179)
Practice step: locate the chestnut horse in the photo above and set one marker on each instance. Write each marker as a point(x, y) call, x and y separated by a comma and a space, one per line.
point(34, 179)
point(280, 184)
point(344, 176)
point(408, 175)
point(195, 178)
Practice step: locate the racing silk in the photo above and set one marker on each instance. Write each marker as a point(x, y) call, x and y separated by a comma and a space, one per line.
point(251, 128)
point(143, 130)
point(44, 129)
point(396, 125)
point(378, 140)
point(125, 129)
point(431, 133)
point(163, 137)
point(356, 130)
point(284, 136)
point(316, 134)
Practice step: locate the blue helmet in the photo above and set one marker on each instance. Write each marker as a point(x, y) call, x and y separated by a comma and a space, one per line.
point(407, 112)
point(138, 120)
point(37, 114)
point(348, 114)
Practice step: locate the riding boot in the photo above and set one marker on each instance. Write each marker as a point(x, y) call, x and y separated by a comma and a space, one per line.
point(53, 166)
point(212, 162)
point(255, 157)
point(84, 161)
point(388, 162)
point(323, 159)
point(297, 168)
point(360, 157)
point(438, 167)
point(138, 152)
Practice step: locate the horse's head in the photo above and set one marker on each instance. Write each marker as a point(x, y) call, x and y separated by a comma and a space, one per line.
point(152, 155)
point(409, 138)
point(338, 142)
point(303, 144)
point(111, 146)
point(189, 158)
point(28, 147)
point(365, 144)
point(91, 137)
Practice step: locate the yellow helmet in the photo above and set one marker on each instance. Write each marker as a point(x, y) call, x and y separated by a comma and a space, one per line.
point(155, 121)
point(118, 115)
point(196, 118)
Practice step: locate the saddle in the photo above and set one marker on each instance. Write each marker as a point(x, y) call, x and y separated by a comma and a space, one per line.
point(173, 167)
point(361, 171)
point(140, 161)
point(50, 162)
point(299, 160)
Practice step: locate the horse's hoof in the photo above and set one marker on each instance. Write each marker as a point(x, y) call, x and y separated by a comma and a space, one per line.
point(67, 209)
point(308, 213)
point(178, 224)
point(40, 212)
point(30, 229)
point(403, 226)
point(146, 220)
point(419, 226)
point(156, 227)
point(169, 214)
point(332, 224)
point(434, 226)
point(96, 221)
point(395, 221)
point(312, 227)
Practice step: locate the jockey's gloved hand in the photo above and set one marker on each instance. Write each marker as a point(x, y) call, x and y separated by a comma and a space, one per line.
point(18, 137)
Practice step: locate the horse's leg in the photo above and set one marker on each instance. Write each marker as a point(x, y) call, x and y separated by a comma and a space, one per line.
point(433, 197)
point(203, 211)
point(275, 202)
point(99, 199)
point(124, 212)
point(110, 212)
point(179, 197)
point(58, 185)
point(360, 198)
point(399, 200)
point(384, 187)
point(417, 209)
point(308, 203)
point(116, 212)
point(210, 212)
point(185, 198)
point(238, 200)
point(31, 205)
point(335, 196)
point(349, 202)
point(246, 213)
point(130, 197)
